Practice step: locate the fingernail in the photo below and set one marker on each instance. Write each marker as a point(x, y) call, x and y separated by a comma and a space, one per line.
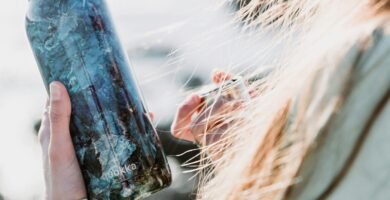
point(55, 92)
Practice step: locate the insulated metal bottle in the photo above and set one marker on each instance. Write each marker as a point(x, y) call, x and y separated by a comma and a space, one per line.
point(74, 42)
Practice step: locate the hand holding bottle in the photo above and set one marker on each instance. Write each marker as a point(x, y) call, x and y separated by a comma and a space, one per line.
point(62, 173)
point(63, 177)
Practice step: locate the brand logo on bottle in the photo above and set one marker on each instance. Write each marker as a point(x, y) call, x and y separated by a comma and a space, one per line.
point(118, 171)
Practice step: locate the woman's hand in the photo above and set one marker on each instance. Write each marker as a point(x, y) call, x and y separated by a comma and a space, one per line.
point(63, 178)
point(184, 126)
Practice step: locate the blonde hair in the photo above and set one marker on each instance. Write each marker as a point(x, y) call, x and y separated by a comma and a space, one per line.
point(258, 158)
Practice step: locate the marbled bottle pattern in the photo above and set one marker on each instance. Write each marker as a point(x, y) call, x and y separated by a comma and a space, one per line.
point(74, 42)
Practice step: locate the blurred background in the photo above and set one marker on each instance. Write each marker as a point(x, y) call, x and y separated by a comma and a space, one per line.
point(173, 44)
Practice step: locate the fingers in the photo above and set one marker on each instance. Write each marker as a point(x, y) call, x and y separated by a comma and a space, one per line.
point(60, 145)
point(220, 76)
point(220, 107)
point(189, 107)
point(180, 127)
point(214, 119)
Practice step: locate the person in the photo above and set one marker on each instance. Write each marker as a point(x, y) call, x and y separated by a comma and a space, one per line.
point(317, 124)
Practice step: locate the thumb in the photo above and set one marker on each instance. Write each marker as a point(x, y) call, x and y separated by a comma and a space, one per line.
point(59, 116)
point(65, 174)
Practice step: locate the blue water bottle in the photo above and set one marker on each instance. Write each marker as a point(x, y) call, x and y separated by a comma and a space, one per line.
point(74, 42)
